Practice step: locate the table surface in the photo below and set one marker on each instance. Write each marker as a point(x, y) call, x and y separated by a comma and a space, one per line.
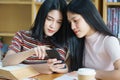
point(43, 77)
point(47, 76)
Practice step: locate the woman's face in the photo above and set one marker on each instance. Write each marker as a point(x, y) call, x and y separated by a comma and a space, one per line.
point(53, 22)
point(79, 25)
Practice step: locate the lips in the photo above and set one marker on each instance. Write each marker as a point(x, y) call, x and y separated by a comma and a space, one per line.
point(50, 31)
point(76, 31)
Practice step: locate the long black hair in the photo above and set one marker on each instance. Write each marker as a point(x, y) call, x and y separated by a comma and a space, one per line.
point(59, 37)
point(91, 15)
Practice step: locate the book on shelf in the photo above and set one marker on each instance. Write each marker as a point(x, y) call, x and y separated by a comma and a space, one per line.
point(119, 22)
point(17, 72)
point(113, 20)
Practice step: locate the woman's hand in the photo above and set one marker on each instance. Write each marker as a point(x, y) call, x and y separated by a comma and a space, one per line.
point(57, 66)
point(40, 51)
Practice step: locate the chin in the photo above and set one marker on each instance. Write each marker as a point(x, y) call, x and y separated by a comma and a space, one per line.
point(80, 36)
point(50, 35)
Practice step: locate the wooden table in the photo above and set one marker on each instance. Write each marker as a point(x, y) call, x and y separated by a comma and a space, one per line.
point(47, 76)
point(44, 76)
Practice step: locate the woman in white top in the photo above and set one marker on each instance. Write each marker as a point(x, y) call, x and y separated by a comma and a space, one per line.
point(92, 44)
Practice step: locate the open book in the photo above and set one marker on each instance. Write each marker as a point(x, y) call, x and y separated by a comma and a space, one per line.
point(17, 72)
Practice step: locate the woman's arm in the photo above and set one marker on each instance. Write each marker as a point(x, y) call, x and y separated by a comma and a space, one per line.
point(13, 58)
point(112, 47)
point(110, 75)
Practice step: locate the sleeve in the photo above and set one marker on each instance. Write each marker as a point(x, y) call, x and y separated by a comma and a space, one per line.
point(62, 53)
point(16, 44)
point(112, 47)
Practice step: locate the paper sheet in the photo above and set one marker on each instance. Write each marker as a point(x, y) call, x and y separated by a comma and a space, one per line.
point(66, 77)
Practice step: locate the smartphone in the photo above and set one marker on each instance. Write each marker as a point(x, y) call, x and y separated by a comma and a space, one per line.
point(53, 54)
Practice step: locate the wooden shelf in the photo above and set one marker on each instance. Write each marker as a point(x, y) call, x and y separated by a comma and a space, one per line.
point(15, 2)
point(113, 4)
point(96, 3)
point(38, 3)
point(7, 34)
point(15, 15)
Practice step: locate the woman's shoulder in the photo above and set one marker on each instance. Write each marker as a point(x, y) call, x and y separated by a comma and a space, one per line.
point(111, 40)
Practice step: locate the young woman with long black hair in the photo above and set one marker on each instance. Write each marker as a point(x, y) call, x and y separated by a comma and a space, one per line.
point(92, 44)
point(48, 32)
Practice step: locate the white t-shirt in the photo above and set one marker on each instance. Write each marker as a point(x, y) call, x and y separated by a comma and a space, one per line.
point(101, 51)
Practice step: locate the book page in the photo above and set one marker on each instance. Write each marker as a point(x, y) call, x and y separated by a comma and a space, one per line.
point(11, 68)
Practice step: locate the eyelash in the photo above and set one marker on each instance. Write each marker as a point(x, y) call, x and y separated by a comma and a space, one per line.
point(75, 21)
point(51, 20)
point(59, 22)
point(48, 18)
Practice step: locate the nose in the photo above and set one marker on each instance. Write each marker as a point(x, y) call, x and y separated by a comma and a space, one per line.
point(53, 24)
point(73, 26)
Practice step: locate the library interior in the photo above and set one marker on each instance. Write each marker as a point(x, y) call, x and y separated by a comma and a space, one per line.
point(16, 15)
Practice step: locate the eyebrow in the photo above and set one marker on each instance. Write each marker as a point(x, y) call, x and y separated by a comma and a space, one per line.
point(53, 18)
point(50, 17)
point(73, 17)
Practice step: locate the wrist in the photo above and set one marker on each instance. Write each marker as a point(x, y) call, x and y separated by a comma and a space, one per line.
point(31, 51)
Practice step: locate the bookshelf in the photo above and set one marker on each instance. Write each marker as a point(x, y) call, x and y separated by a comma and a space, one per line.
point(18, 15)
point(96, 3)
point(111, 15)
